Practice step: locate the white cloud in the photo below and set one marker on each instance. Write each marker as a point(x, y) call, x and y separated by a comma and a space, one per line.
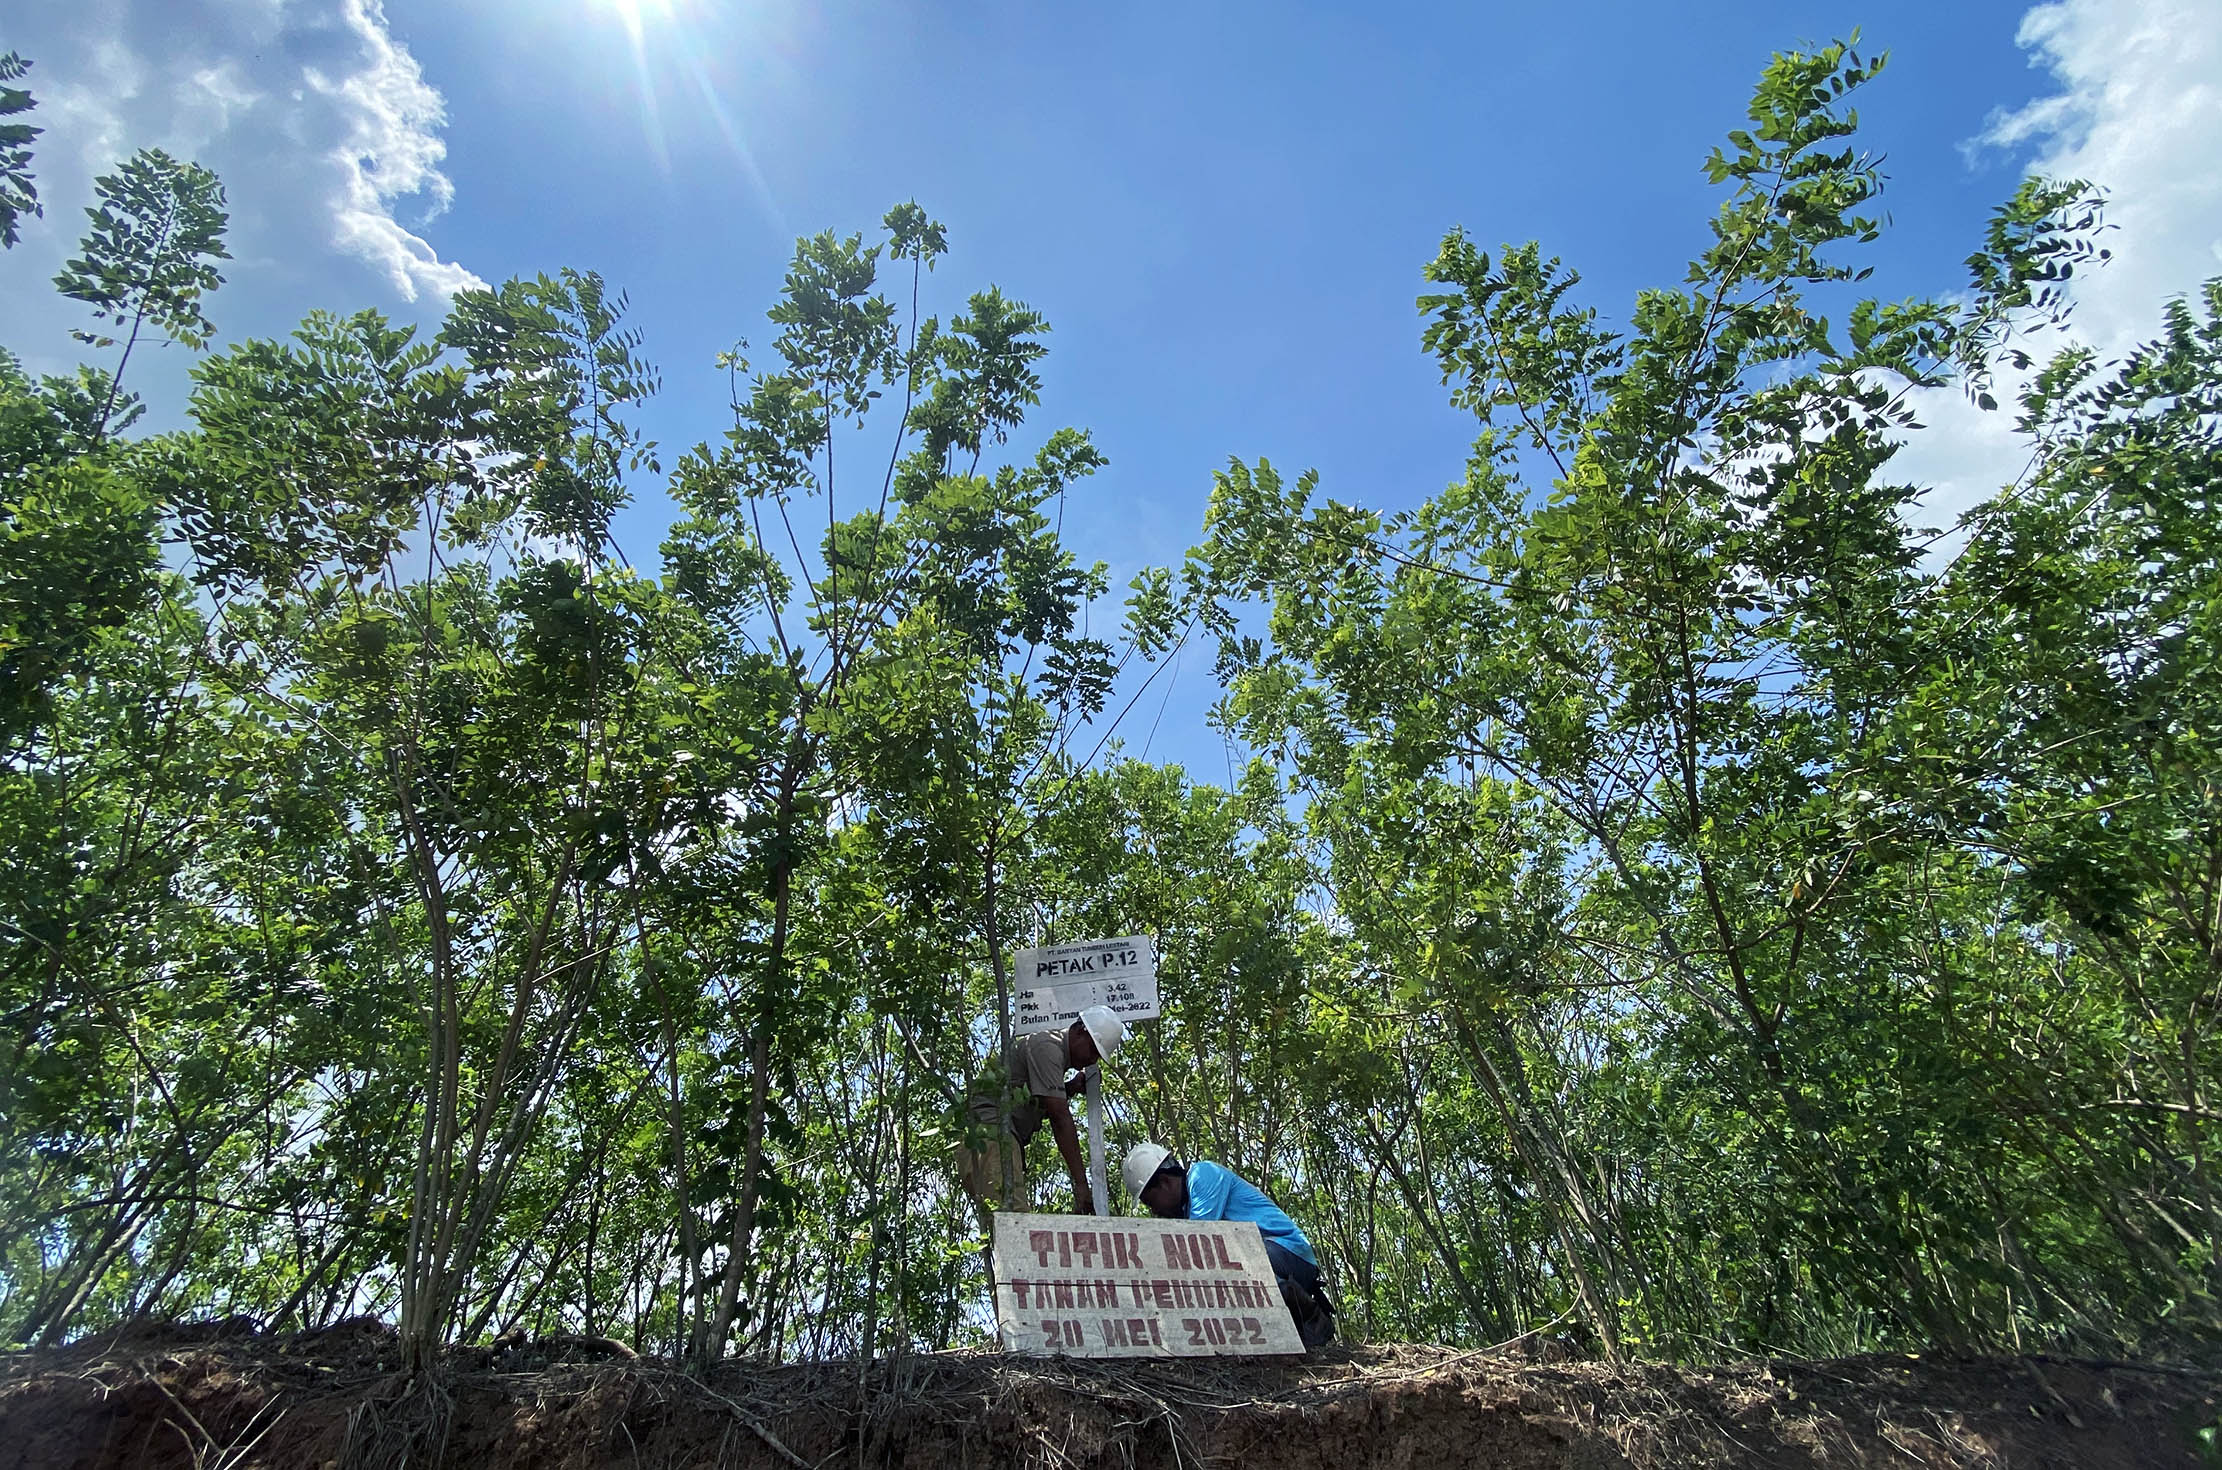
point(392, 152)
point(2139, 113)
point(317, 118)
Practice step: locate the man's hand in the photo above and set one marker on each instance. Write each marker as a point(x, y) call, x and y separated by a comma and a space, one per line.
point(1083, 1202)
point(1075, 1085)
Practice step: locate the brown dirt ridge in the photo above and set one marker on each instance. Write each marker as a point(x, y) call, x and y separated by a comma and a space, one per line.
point(218, 1399)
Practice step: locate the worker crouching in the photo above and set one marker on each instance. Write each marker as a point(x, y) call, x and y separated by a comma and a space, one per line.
point(1172, 1190)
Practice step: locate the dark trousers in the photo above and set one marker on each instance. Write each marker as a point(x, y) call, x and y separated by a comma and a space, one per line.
point(1305, 1294)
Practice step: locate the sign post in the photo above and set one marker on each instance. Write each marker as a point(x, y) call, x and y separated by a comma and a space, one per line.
point(1099, 1181)
point(1137, 1288)
point(1056, 982)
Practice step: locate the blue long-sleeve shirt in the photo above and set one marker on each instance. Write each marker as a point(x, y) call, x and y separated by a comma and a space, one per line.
point(1216, 1192)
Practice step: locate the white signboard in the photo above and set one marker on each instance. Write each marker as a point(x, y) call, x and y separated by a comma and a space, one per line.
point(1136, 1288)
point(1059, 981)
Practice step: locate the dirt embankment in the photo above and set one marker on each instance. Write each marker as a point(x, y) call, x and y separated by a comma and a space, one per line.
point(197, 1398)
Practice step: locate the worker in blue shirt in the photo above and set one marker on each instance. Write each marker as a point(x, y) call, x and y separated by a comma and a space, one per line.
point(1172, 1190)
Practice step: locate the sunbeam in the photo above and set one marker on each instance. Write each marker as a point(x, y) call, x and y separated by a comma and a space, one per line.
point(659, 33)
point(734, 140)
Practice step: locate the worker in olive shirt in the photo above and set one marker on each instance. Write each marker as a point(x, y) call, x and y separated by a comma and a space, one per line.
point(1203, 1190)
point(1015, 1095)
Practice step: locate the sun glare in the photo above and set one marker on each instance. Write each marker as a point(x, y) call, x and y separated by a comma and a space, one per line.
point(672, 44)
point(638, 14)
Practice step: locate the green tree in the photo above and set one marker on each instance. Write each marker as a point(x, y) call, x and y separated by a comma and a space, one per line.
point(144, 266)
point(2069, 729)
point(1655, 682)
point(18, 195)
point(920, 663)
point(77, 536)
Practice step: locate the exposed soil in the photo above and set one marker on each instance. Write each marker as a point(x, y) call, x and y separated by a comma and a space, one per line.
point(212, 1400)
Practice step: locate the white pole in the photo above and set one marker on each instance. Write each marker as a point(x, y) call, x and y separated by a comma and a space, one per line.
point(1098, 1182)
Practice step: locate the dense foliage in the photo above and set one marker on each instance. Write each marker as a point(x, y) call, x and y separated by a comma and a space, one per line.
point(1667, 898)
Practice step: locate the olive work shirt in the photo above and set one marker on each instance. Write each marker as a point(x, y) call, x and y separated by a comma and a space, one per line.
point(1010, 1090)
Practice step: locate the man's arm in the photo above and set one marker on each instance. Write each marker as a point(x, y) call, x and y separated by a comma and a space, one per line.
point(1067, 1134)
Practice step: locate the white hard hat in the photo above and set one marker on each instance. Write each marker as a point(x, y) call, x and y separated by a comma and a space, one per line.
point(1141, 1166)
point(1105, 1026)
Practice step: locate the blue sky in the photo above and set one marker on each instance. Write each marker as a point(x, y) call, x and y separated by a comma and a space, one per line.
point(1223, 210)
point(1224, 217)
